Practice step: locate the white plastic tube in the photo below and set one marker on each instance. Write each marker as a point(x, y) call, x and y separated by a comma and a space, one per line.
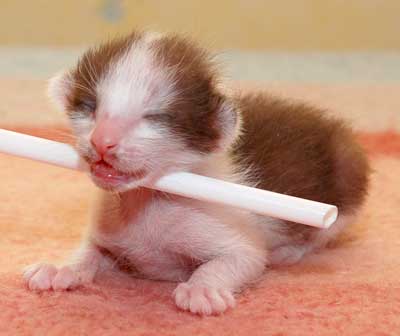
point(204, 188)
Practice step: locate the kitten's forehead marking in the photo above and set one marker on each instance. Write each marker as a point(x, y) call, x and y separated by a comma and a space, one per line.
point(135, 83)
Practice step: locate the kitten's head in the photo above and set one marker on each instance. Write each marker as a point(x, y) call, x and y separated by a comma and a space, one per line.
point(143, 106)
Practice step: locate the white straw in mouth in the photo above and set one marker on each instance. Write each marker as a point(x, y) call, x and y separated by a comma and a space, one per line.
point(203, 188)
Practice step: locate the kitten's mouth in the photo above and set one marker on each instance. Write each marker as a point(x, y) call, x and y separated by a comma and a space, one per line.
point(108, 176)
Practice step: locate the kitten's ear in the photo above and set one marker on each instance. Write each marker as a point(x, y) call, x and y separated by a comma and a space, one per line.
point(229, 121)
point(59, 88)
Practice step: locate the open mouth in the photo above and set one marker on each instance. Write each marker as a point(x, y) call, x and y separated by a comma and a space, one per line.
point(107, 174)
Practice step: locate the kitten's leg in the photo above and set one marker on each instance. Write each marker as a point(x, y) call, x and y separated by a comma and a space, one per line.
point(288, 254)
point(234, 261)
point(80, 270)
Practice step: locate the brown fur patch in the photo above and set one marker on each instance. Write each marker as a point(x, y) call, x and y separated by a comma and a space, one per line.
point(194, 114)
point(91, 67)
point(297, 150)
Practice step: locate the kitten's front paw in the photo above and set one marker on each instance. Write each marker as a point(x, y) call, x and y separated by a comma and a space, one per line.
point(203, 300)
point(41, 277)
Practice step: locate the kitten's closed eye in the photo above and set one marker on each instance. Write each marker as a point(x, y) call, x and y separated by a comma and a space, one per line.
point(87, 106)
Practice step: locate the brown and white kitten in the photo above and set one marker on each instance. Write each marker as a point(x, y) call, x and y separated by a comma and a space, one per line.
point(149, 104)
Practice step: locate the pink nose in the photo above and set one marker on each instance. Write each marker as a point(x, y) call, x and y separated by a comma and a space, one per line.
point(106, 136)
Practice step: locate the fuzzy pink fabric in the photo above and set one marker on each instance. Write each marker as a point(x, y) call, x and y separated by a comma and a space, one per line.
point(352, 288)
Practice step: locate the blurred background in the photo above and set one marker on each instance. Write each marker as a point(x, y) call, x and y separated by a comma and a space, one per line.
point(321, 51)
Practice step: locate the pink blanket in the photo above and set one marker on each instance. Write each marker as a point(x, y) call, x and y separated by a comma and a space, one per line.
point(352, 288)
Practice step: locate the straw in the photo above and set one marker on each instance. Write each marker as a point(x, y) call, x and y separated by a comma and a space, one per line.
point(186, 184)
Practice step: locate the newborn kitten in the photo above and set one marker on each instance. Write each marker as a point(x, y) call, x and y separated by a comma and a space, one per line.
point(147, 105)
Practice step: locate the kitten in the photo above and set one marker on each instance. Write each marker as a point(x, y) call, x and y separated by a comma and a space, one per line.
point(149, 104)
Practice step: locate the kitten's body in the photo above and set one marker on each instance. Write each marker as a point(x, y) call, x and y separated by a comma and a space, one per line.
point(250, 139)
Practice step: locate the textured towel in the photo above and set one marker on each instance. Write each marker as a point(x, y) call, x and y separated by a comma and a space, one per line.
point(352, 288)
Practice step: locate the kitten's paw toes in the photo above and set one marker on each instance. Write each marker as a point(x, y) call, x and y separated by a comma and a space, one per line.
point(66, 278)
point(203, 300)
point(41, 277)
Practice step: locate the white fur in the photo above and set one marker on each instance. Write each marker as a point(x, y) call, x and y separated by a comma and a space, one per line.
point(80, 270)
point(144, 130)
point(151, 89)
point(168, 229)
point(152, 36)
point(58, 89)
